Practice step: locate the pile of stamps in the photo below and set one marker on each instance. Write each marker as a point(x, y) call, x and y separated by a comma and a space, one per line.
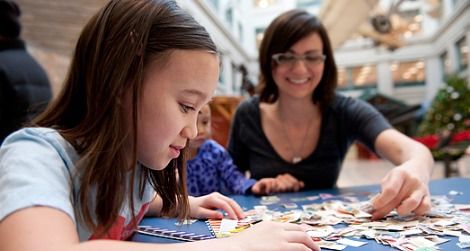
point(343, 221)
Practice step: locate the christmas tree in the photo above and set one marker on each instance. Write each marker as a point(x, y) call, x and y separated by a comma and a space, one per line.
point(448, 115)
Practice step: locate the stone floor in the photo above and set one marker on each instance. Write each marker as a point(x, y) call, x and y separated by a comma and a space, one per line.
point(365, 172)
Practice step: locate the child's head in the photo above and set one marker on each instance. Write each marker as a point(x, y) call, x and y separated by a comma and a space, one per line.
point(203, 127)
point(141, 72)
point(9, 18)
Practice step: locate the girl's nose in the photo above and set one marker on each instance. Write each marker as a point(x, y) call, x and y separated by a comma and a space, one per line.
point(190, 131)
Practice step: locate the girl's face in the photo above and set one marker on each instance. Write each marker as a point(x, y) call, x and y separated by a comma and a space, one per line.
point(172, 96)
point(203, 128)
point(300, 78)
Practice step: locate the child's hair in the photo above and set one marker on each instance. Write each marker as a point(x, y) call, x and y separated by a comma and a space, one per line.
point(109, 61)
point(9, 18)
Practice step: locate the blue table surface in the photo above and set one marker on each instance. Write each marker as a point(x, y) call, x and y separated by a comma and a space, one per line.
point(437, 187)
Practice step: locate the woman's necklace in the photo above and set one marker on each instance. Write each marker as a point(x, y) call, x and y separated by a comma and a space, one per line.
point(297, 155)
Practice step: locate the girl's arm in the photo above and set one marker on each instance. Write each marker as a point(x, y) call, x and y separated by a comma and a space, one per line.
point(406, 186)
point(44, 228)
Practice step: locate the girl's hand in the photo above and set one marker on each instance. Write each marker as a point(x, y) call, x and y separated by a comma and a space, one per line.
point(274, 236)
point(402, 188)
point(206, 207)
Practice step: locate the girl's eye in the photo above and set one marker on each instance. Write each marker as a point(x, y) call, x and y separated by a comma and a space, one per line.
point(186, 108)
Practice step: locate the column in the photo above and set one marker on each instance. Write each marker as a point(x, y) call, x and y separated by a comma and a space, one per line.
point(434, 77)
point(384, 78)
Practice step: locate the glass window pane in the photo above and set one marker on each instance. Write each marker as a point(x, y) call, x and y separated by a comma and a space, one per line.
point(408, 73)
point(343, 79)
point(229, 16)
point(462, 53)
point(308, 3)
point(259, 36)
point(264, 3)
point(364, 76)
point(445, 62)
point(215, 4)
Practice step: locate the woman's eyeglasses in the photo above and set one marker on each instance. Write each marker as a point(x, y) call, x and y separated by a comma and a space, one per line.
point(289, 59)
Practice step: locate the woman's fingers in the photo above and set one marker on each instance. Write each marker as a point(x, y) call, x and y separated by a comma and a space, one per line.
point(424, 206)
point(391, 186)
point(289, 183)
point(404, 192)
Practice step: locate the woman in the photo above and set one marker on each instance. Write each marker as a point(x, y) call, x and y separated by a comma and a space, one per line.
point(299, 129)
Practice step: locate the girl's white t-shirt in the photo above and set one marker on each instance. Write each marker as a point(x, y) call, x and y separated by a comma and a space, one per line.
point(38, 168)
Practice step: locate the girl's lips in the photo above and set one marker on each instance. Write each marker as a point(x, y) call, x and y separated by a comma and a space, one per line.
point(175, 151)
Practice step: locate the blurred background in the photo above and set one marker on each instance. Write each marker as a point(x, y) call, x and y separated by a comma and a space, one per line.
point(408, 58)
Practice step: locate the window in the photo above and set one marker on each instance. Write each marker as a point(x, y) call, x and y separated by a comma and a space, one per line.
point(344, 80)
point(235, 83)
point(308, 3)
point(408, 73)
point(445, 62)
point(229, 16)
point(259, 36)
point(409, 22)
point(215, 4)
point(264, 3)
point(462, 53)
point(240, 33)
point(364, 76)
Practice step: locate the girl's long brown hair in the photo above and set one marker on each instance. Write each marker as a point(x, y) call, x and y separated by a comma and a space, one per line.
point(109, 61)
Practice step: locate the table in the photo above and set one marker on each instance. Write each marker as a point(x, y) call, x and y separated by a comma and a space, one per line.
point(437, 187)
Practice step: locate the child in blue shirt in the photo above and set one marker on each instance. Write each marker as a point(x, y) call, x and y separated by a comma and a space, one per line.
point(211, 169)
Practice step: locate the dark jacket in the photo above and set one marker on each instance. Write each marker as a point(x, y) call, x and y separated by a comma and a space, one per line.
point(24, 87)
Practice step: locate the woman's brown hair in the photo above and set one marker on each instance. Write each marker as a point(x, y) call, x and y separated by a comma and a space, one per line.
point(109, 61)
point(283, 32)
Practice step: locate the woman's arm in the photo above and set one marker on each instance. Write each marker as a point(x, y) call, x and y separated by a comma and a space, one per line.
point(406, 186)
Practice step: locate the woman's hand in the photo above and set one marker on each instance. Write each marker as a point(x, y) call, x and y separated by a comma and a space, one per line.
point(282, 183)
point(288, 183)
point(265, 186)
point(405, 189)
point(206, 207)
point(274, 236)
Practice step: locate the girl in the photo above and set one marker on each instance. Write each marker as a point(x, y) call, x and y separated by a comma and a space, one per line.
point(113, 138)
point(211, 168)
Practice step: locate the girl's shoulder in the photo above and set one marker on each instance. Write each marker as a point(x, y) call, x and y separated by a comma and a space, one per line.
point(34, 139)
point(38, 134)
